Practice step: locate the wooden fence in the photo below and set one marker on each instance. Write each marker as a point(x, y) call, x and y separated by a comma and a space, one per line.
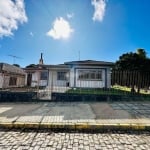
point(131, 78)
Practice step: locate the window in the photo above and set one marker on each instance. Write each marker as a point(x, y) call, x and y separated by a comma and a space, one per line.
point(90, 75)
point(44, 75)
point(61, 75)
point(13, 81)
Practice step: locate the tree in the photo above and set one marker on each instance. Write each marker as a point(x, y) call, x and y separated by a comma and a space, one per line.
point(138, 62)
point(16, 65)
point(133, 61)
point(31, 66)
point(141, 52)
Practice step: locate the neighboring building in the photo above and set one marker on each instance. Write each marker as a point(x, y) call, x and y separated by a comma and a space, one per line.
point(46, 75)
point(11, 76)
point(36, 75)
point(85, 74)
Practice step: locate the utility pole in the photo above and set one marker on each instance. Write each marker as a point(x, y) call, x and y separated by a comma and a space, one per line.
point(79, 55)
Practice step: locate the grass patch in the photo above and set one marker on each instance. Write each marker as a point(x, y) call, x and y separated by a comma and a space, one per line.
point(128, 89)
point(103, 91)
point(98, 91)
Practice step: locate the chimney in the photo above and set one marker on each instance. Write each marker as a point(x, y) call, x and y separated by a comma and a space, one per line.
point(41, 59)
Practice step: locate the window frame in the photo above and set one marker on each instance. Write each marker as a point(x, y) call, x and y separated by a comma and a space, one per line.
point(90, 75)
point(44, 75)
point(62, 75)
point(12, 81)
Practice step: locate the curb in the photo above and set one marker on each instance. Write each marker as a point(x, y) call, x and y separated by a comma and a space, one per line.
point(77, 126)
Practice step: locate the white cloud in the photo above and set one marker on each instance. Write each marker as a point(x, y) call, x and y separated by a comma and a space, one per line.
point(99, 6)
point(12, 13)
point(69, 16)
point(61, 29)
point(31, 33)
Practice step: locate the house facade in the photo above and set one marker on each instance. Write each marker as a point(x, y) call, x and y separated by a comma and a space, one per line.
point(46, 75)
point(11, 76)
point(90, 74)
point(36, 75)
point(74, 74)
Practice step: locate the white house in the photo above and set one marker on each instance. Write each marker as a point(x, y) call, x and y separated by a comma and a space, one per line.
point(89, 74)
point(85, 74)
point(11, 76)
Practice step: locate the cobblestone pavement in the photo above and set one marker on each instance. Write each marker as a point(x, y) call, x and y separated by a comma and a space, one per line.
point(49, 140)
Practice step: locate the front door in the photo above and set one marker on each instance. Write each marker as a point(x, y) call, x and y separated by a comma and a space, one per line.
point(29, 79)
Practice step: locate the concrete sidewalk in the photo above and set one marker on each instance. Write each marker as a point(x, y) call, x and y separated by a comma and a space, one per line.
point(76, 115)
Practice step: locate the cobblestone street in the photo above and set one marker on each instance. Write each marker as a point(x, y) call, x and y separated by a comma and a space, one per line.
point(46, 139)
point(78, 114)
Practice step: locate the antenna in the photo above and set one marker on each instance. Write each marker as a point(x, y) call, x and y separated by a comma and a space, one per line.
point(14, 57)
point(79, 55)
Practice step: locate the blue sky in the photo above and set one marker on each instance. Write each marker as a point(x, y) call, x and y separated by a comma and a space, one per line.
point(99, 29)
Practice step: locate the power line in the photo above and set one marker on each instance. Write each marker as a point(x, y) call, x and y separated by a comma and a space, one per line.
point(14, 57)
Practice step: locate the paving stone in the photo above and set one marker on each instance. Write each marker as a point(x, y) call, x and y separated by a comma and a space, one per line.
point(26, 140)
point(72, 113)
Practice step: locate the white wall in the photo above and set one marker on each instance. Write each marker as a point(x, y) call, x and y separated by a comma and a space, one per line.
point(74, 82)
point(53, 79)
point(1, 80)
point(108, 77)
point(72, 76)
point(36, 80)
point(20, 81)
point(6, 81)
